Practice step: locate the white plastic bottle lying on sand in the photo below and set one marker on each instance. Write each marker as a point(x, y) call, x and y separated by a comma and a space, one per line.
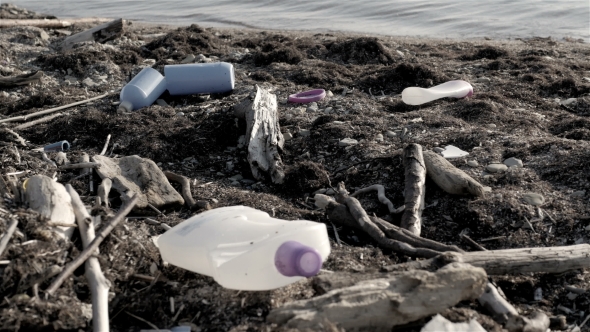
point(244, 248)
point(196, 78)
point(419, 96)
point(143, 90)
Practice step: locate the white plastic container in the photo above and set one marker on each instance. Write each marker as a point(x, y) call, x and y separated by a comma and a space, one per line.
point(196, 78)
point(244, 248)
point(143, 90)
point(419, 96)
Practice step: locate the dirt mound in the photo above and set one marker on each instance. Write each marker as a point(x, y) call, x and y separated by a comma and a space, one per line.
point(488, 52)
point(362, 51)
point(182, 42)
point(268, 55)
point(395, 79)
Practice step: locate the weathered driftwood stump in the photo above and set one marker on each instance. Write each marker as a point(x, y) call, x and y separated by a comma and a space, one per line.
point(52, 201)
point(380, 304)
point(135, 175)
point(99, 34)
point(448, 177)
point(415, 170)
point(263, 135)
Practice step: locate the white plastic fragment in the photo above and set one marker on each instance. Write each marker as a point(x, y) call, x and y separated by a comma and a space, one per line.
point(322, 201)
point(440, 324)
point(451, 151)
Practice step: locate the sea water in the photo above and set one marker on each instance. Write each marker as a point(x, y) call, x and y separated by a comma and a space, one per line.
point(431, 18)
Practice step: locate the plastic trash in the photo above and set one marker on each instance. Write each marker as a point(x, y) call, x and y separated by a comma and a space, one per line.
point(452, 151)
point(419, 96)
point(143, 90)
point(195, 78)
point(57, 147)
point(308, 96)
point(245, 249)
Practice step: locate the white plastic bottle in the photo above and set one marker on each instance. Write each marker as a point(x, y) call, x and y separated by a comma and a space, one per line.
point(143, 90)
point(193, 78)
point(244, 248)
point(419, 96)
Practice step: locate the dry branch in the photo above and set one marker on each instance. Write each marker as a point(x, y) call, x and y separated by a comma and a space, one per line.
point(16, 135)
point(39, 23)
point(38, 121)
point(379, 305)
point(100, 34)
point(11, 81)
point(106, 145)
point(6, 237)
point(185, 187)
point(103, 192)
point(99, 285)
point(448, 177)
point(81, 165)
point(92, 246)
point(415, 176)
point(380, 195)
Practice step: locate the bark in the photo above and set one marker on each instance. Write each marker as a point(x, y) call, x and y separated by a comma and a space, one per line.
point(99, 34)
point(448, 177)
point(415, 176)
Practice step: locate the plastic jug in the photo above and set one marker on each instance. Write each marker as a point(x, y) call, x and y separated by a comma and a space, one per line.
point(195, 78)
point(143, 90)
point(246, 249)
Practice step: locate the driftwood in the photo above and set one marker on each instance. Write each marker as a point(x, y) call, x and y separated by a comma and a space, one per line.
point(52, 110)
point(100, 34)
point(378, 305)
point(263, 135)
point(8, 82)
point(103, 192)
point(414, 188)
point(50, 23)
point(18, 137)
point(6, 237)
point(497, 305)
point(38, 121)
point(134, 175)
point(380, 195)
point(84, 165)
point(52, 201)
point(92, 246)
point(538, 322)
point(186, 187)
point(99, 285)
point(448, 177)
point(106, 145)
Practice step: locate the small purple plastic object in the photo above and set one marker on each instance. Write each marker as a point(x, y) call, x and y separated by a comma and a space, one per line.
point(308, 96)
point(57, 147)
point(295, 259)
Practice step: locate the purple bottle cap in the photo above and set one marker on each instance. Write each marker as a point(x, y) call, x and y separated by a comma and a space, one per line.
point(295, 259)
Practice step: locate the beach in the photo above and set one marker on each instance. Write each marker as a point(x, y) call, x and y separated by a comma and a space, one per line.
point(530, 105)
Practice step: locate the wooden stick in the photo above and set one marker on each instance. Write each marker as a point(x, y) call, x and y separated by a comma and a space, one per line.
point(8, 82)
point(103, 192)
point(16, 135)
point(185, 187)
point(6, 237)
point(99, 285)
point(143, 320)
point(415, 174)
point(3, 187)
point(494, 303)
point(80, 165)
point(50, 23)
point(106, 145)
point(380, 195)
point(448, 177)
point(38, 121)
point(51, 110)
point(100, 34)
point(92, 246)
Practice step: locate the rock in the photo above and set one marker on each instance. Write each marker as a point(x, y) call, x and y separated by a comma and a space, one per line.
point(89, 82)
point(304, 132)
point(441, 324)
point(180, 114)
point(473, 163)
point(347, 142)
point(379, 138)
point(492, 125)
point(161, 102)
point(534, 199)
point(236, 177)
point(496, 168)
point(438, 149)
point(579, 193)
point(483, 79)
point(400, 53)
point(328, 110)
point(313, 107)
point(287, 136)
point(587, 79)
point(140, 176)
point(569, 101)
point(43, 35)
point(329, 94)
point(510, 162)
point(322, 201)
point(390, 133)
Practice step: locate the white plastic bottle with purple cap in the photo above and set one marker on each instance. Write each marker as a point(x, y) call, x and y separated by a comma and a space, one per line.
point(246, 249)
point(142, 90)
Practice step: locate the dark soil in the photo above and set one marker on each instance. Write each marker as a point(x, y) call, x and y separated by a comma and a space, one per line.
point(514, 112)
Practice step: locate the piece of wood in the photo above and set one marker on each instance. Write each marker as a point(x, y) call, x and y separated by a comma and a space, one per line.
point(264, 137)
point(381, 304)
point(103, 192)
point(185, 185)
point(39, 23)
point(6, 237)
point(448, 177)
point(52, 201)
point(380, 195)
point(135, 175)
point(52, 110)
point(99, 285)
point(538, 322)
point(415, 178)
point(61, 159)
point(92, 246)
point(18, 137)
point(83, 165)
point(99, 34)
point(496, 305)
point(38, 121)
point(12, 81)
point(106, 145)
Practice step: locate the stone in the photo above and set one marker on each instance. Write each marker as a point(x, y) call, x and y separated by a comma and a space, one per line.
point(390, 133)
point(496, 168)
point(379, 138)
point(304, 132)
point(89, 82)
point(483, 79)
point(161, 102)
point(513, 162)
point(329, 94)
point(180, 114)
point(400, 53)
point(328, 110)
point(492, 125)
point(43, 35)
point(579, 193)
point(287, 136)
point(473, 163)
point(347, 142)
point(534, 199)
point(587, 79)
point(569, 101)
point(237, 177)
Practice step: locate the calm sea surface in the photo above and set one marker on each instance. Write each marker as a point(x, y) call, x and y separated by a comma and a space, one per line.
point(433, 18)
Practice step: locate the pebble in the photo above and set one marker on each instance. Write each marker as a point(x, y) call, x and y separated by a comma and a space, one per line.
point(534, 199)
point(496, 168)
point(400, 53)
point(330, 191)
point(347, 142)
point(569, 101)
point(287, 136)
point(313, 107)
point(587, 79)
point(161, 102)
point(180, 114)
point(43, 35)
point(473, 163)
point(189, 59)
point(390, 133)
point(379, 138)
point(304, 132)
point(438, 149)
point(483, 79)
point(88, 82)
point(236, 177)
point(328, 110)
point(492, 125)
point(579, 193)
point(510, 162)
point(329, 94)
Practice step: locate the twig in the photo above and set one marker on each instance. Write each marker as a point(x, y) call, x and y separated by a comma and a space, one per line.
point(415, 179)
point(106, 145)
point(88, 251)
point(493, 238)
point(15, 134)
point(185, 187)
point(80, 165)
point(9, 231)
point(61, 224)
point(380, 195)
point(38, 121)
point(336, 234)
point(143, 320)
point(47, 160)
point(155, 209)
point(178, 313)
point(473, 243)
point(103, 191)
point(530, 225)
point(51, 110)
point(585, 320)
point(17, 155)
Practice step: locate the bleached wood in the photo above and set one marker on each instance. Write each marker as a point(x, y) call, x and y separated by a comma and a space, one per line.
point(448, 177)
point(415, 179)
point(185, 185)
point(52, 201)
point(40, 23)
point(496, 305)
point(12, 81)
point(103, 192)
point(101, 34)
